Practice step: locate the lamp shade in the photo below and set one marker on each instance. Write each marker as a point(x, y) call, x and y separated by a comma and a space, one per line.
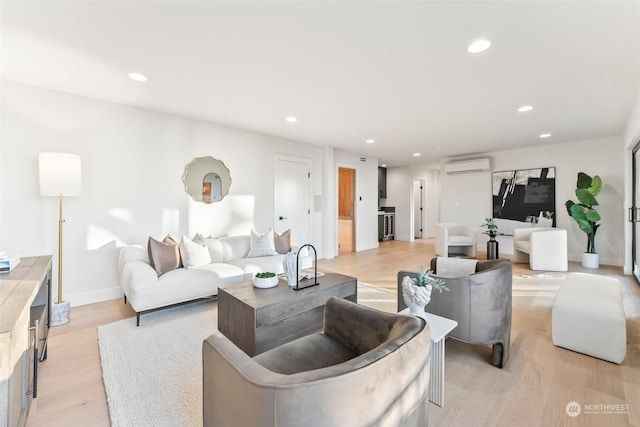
point(60, 173)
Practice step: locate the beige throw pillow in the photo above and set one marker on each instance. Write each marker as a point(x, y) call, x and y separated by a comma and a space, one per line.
point(282, 241)
point(193, 254)
point(163, 256)
point(261, 244)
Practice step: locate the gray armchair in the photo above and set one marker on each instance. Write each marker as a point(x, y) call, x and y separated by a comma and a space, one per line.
point(480, 303)
point(366, 368)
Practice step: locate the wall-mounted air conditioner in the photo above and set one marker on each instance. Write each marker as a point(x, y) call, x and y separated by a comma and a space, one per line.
point(466, 166)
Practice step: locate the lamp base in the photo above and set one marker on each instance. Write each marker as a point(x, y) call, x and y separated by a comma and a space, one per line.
point(60, 313)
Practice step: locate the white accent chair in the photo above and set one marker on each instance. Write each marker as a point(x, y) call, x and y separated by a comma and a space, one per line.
point(544, 248)
point(455, 238)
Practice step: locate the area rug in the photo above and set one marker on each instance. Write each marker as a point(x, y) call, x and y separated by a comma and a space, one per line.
point(537, 285)
point(152, 374)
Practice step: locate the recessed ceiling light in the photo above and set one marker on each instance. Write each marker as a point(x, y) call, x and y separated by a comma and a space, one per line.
point(384, 165)
point(525, 108)
point(545, 135)
point(416, 154)
point(138, 77)
point(479, 45)
point(291, 119)
point(370, 141)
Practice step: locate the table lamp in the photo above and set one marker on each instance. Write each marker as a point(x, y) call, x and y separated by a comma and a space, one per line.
point(60, 175)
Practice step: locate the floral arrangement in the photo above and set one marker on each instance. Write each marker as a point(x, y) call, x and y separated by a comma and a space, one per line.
point(490, 225)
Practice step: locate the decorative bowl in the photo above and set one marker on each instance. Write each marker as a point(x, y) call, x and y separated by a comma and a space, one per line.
point(268, 282)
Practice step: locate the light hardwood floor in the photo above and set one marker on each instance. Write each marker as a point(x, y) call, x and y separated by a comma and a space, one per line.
point(533, 389)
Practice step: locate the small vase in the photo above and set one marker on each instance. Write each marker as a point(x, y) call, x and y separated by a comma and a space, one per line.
point(289, 266)
point(415, 297)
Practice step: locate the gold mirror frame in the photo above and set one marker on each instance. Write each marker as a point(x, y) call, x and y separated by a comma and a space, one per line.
point(206, 179)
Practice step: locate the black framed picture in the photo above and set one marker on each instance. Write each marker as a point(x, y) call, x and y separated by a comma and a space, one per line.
point(526, 195)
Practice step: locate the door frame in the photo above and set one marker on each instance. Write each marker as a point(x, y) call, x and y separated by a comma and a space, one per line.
point(633, 212)
point(420, 204)
point(336, 213)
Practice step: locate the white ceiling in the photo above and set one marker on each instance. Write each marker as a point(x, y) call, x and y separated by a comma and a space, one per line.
point(396, 72)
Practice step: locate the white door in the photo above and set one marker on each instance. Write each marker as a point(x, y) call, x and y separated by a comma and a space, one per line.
point(292, 201)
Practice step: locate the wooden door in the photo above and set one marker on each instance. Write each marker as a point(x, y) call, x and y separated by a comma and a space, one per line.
point(346, 209)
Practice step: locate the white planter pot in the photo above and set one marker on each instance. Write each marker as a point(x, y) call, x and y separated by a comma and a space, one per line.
point(415, 297)
point(590, 260)
point(265, 282)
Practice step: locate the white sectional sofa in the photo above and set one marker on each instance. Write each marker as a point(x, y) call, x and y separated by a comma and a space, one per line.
point(145, 290)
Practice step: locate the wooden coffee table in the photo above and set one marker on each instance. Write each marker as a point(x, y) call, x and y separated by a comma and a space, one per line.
point(257, 320)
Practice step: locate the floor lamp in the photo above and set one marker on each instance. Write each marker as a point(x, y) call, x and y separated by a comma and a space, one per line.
point(60, 175)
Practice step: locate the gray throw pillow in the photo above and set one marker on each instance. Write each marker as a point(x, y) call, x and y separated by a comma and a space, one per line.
point(164, 256)
point(282, 241)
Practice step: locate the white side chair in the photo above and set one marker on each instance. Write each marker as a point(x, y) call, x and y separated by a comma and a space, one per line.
point(455, 238)
point(544, 248)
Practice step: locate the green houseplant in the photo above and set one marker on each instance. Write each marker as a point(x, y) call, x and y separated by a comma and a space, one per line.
point(585, 215)
point(491, 226)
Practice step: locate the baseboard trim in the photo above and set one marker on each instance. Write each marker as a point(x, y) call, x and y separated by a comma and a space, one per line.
point(84, 298)
point(603, 260)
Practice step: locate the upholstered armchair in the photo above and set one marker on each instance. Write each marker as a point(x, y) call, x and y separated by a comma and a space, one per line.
point(480, 302)
point(366, 368)
point(544, 248)
point(455, 238)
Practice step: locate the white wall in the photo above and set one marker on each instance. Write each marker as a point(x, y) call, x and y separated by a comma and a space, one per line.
point(366, 207)
point(400, 195)
point(430, 174)
point(132, 161)
point(466, 198)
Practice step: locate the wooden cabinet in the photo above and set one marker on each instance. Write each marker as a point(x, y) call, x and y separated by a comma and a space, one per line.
point(24, 330)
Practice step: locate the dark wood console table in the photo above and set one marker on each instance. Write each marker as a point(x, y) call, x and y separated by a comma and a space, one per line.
point(24, 330)
point(257, 320)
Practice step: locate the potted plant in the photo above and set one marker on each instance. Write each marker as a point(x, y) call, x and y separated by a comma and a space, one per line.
point(265, 280)
point(416, 292)
point(586, 216)
point(490, 225)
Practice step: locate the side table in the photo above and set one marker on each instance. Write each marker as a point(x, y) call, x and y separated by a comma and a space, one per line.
point(440, 327)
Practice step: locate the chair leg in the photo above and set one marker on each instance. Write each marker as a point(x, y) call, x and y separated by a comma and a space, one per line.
point(138, 318)
point(125, 299)
point(499, 356)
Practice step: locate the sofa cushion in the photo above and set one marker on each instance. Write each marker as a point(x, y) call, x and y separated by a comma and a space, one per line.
point(163, 256)
point(215, 249)
point(261, 244)
point(460, 239)
point(523, 245)
point(234, 247)
point(282, 241)
point(193, 254)
point(311, 352)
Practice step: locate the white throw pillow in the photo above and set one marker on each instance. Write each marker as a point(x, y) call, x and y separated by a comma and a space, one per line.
point(261, 244)
point(193, 254)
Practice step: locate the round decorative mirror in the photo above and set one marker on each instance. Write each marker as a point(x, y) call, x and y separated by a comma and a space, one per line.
point(206, 179)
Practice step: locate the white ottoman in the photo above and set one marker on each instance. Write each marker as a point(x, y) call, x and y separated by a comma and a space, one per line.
point(588, 317)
